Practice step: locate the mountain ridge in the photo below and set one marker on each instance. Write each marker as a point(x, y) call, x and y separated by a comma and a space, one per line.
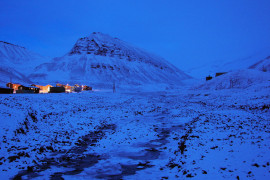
point(101, 58)
point(17, 63)
point(227, 66)
point(262, 65)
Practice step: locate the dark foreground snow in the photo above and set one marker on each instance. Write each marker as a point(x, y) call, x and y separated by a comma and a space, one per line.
point(151, 135)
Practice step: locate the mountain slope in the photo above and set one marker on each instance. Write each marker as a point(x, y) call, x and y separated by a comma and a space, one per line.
point(239, 79)
point(17, 63)
point(263, 65)
point(226, 66)
point(8, 74)
point(101, 59)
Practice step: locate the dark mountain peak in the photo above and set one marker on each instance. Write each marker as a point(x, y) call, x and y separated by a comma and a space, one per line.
point(104, 45)
point(97, 43)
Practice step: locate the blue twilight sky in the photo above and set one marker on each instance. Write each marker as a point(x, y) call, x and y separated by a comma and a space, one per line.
point(185, 32)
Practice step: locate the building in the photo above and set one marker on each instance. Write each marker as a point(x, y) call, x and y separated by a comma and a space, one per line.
point(15, 87)
point(27, 89)
point(87, 88)
point(59, 85)
point(6, 90)
point(208, 78)
point(220, 73)
point(57, 90)
point(43, 89)
point(68, 88)
point(78, 89)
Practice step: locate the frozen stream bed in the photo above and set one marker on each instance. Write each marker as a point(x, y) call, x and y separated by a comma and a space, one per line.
point(140, 135)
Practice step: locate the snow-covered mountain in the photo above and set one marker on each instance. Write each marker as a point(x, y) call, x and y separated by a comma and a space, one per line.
point(102, 59)
point(263, 65)
point(17, 63)
point(239, 79)
point(8, 74)
point(227, 66)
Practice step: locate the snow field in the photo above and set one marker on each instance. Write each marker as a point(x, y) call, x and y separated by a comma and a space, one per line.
point(172, 134)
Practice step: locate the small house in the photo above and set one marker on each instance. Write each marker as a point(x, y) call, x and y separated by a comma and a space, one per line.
point(6, 90)
point(57, 90)
point(87, 88)
point(208, 78)
point(78, 89)
point(43, 89)
point(27, 89)
point(220, 73)
point(68, 88)
point(59, 85)
point(15, 87)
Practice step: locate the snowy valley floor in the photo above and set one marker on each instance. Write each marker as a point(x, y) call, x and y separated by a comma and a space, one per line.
point(145, 135)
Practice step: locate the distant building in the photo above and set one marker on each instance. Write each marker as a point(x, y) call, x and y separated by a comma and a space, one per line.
point(78, 89)
point(87, 88)
point(68, 88)
point(27, 89)
point(43, 89)
point(59, 85)
point(220, 73)
point(6, 90)
point(208, 78)
point(15, 87)
point(57, 90)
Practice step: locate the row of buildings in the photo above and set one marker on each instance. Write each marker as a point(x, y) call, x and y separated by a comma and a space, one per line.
point(34, 88)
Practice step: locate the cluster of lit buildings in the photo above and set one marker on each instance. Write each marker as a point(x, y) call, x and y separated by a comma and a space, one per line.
point(34, 88)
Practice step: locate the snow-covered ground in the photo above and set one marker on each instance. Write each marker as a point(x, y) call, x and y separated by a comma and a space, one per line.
point(173, 134)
